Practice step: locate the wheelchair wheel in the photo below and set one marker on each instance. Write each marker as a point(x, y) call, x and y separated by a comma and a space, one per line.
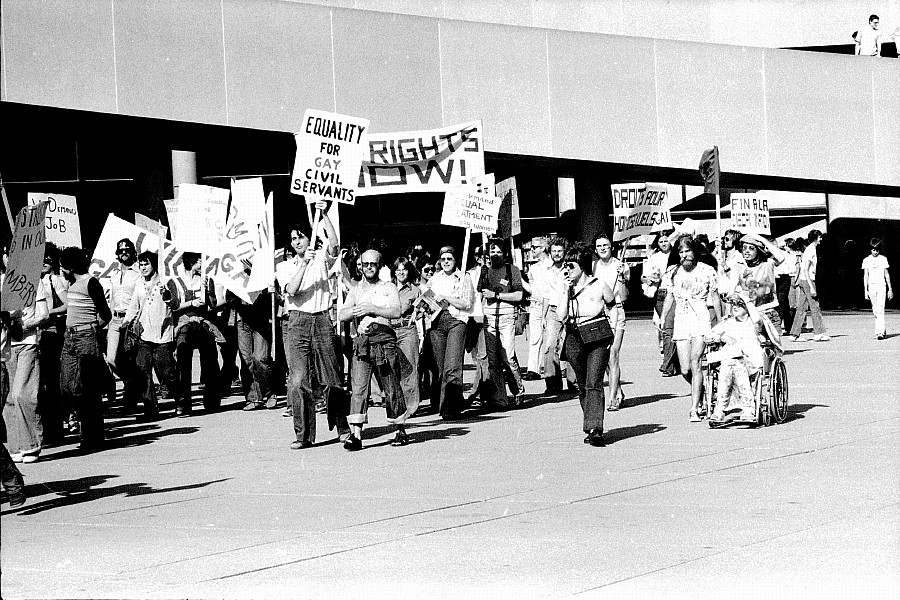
point(710, 387)
point(778, 391)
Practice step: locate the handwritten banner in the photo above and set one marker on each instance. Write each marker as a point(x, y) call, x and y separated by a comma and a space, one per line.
point(26, 256)
point(104, 260)
point(639, 208)
point(469, 209)
point(432, 160)
point(202, 212)
point(750, 214)
point(330, 149)
point(63, 224)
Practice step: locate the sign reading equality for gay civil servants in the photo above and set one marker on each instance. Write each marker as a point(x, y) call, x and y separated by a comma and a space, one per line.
point(202, 212)
point(433, 160)
point(26, 255)
point(469, 209)
point(330, 148)
point(750, 213)
point(639, 208)
point(63, 224)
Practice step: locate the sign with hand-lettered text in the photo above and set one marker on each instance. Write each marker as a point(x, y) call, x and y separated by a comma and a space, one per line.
point(469, 209)
point(63, 224)
point(104, 260)
point(432, 160)
point(26, 256)
point(202, 212)
point(639, 208)
point(330, 149)
point(750, 213)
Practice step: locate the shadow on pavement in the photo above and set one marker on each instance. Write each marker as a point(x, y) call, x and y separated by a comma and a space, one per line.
point(114, 440)
point(415, 437)
point(77, 491)
point(795, 411)
point(641, 400)
point(623, 433)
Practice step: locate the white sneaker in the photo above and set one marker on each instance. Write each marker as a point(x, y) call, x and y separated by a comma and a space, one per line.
point(822, 338)
point(16, 458)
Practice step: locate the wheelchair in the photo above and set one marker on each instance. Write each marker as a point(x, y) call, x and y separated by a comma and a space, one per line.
point(769, 386)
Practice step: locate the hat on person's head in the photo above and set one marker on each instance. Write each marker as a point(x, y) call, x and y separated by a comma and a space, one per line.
point(754, 240)
point(540, 240)
point(125, 244)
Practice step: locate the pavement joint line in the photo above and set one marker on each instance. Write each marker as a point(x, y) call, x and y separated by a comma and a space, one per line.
point(133, 508)
point(547, 508)
point(732, 549)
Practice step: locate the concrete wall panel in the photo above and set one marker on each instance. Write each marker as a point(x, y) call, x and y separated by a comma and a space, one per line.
point(59, 53)
point(711, 95)
point(278, 62)
point(507, 12)
point(886, 94)
point(387, 69)
point(603, 98)
point(595, 16)
point(819, 116)
point(170, 60)
point(498, 74)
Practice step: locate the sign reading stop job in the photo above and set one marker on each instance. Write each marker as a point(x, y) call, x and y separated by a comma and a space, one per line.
point(330, 150)
point(63, 224)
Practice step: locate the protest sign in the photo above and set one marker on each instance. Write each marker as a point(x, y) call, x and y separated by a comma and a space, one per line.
point(63, 224)
point(262, 275)
point(510, 223)
point(145, 222)
point(330, 149)
point(243, 242)
point(469, 209)
point(432, 160)
point(639, 208)
point(172, 215)
point(750, 213)
point(202, 212)
point(26, 256)
point(104, 260)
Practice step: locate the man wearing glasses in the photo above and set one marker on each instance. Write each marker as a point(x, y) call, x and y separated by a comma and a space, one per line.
point(123, 281)
point(372, 303)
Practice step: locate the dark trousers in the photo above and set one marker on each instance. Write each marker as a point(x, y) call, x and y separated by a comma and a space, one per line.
point(589, 363)
point(448, 341)
point(783, 292)
point(313, 356)
point(50, 405)
point(81, 381)
point(159, 356)
point(254, 346)
point(193, 335)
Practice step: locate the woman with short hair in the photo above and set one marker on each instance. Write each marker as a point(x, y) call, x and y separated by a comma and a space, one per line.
point(615, 274)
point(405, 277)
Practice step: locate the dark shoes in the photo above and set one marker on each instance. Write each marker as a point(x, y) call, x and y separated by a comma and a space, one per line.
point(298, 445)
point(182, 412)
point(401, 439)
point(531, 376)
point(594, 438)
point(353, 443)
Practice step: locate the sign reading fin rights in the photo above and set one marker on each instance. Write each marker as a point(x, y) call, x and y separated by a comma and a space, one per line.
point(330, 150)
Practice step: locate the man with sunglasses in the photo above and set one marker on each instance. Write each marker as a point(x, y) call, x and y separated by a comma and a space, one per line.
point(123, 280)
point(371, 304)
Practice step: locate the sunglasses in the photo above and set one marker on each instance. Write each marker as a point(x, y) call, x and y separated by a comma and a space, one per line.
point(570, 265)
point(370, 264)
point(428, 269)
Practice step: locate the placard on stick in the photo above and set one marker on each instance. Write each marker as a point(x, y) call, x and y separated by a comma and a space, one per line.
point(26, 255)
point(750, 213)
point(330, 151)
point(62, 221)
point(639, 208)
point(466, 208)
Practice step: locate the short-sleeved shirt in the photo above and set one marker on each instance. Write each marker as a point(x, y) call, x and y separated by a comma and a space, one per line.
point(408, 293)
point(758, 282)
point(506, 279)
point(379, 294)
point(809, 263)
point(876, 267)
point(314, 294)
point(868, 39)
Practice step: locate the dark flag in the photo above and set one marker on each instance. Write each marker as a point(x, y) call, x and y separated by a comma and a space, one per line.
point(709, 170)
point(508, 216)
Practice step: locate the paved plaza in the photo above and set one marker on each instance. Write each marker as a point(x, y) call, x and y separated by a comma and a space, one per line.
point(509, 504)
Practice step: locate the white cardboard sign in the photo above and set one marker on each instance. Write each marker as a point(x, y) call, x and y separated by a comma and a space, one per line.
point(750, 213)
point(469, 209)
point(63, 224)
point(26, 255)
point(202, 211)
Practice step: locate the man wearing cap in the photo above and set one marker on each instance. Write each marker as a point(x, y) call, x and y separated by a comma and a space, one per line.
point(310, 338)
point(123, 280)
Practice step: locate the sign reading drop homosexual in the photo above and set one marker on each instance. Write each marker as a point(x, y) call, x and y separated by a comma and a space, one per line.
point(330, 150)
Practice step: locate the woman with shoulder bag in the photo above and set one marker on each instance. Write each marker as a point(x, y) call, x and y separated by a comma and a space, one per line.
point(584, 307)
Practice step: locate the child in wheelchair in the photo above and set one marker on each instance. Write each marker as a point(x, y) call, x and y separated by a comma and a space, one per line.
point(741, 358)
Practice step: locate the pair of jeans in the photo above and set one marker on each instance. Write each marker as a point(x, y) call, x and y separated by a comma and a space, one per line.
point(24, 430)
point(122, 362)
point(448, 341)
point(314, 360)
point(82, 379)
point(160, 356)
point(589, 363)
point(500, 337)
point(551, 346)
point(408, 343)
point(387, 374)
point(254, 346)
point(477, 349)
point(807, 304)
point(193, 335)
point(53, 415)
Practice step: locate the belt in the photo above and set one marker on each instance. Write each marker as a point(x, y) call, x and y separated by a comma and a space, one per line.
point(119, 313)
point(77, 328)
point(312, 314)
